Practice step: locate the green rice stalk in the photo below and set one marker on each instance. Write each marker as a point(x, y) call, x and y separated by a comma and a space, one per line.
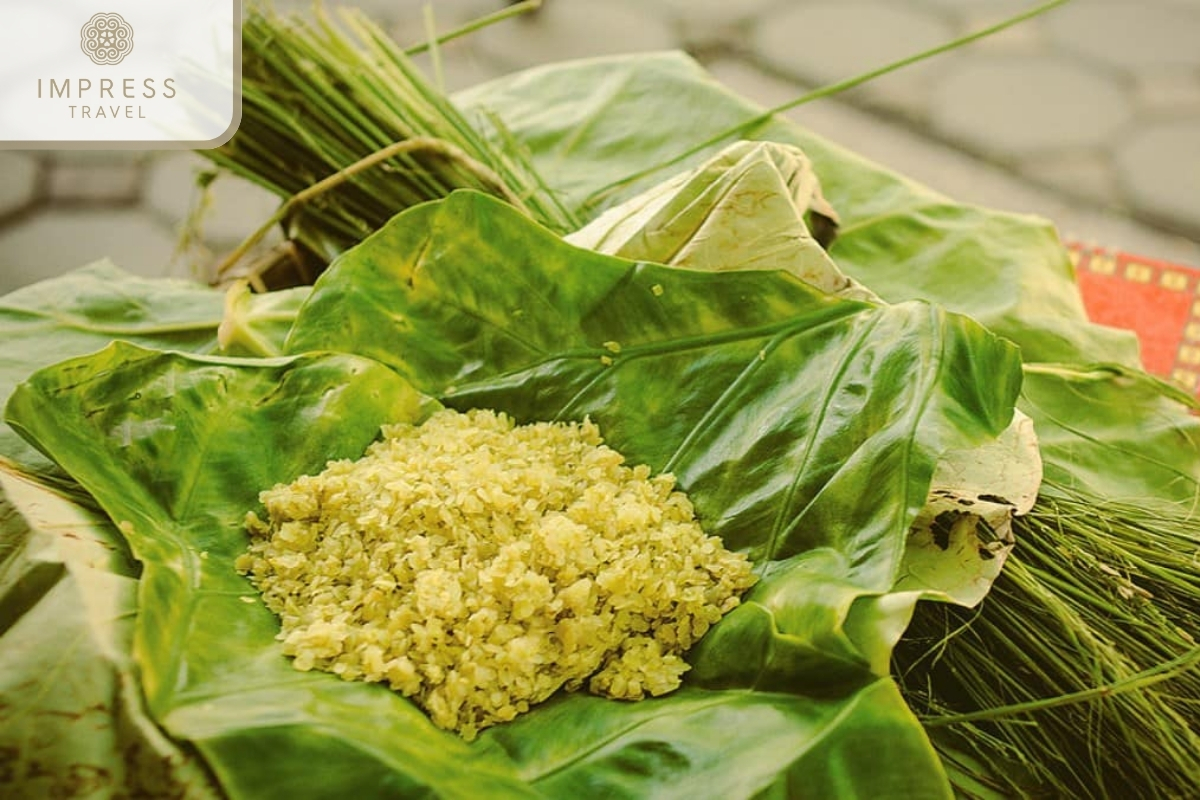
point(1079, 674)
point(321, 96)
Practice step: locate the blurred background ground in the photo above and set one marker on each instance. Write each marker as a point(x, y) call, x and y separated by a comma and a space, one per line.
point(1089, 116)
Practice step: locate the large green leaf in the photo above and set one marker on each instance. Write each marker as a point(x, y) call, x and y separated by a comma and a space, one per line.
point(778, 407)
point(592, 133)
point(214, 673)
point(746, 208)
point(1107, 430)
point(1115, 433)
point(84, 310)
point(175, 447)
point(728, 744)
point(88, 308)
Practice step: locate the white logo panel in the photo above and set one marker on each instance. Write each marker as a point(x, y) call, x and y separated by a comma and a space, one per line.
point(119, 73)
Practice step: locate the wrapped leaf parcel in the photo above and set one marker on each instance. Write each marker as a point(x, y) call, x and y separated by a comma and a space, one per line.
point(754, 205)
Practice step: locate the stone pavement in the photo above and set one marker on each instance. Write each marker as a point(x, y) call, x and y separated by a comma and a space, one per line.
point(1089, 115)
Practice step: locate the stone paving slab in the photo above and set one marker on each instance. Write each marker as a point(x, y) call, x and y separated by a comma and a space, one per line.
point(117, 183)
point(19, 184)
point(1129, 36)
point(55, 240)
point(1032, 105)
point(1089, 116)
point(1167, 189)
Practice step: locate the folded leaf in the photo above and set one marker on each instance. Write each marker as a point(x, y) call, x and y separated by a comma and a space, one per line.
point(962, 538)
point(256, 324)
point(754, 205)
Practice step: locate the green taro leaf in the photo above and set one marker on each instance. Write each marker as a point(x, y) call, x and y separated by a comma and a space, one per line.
point(700, 744)
point(746, 209)
point(602, 143)
point(1107, 429)
point(84, 310)
point(214, 673)
point(1110, 432)
point(175, 447)
point(779, 409)
point(806, 428)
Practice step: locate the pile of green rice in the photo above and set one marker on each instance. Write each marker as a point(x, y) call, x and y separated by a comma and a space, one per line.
point(477, 567)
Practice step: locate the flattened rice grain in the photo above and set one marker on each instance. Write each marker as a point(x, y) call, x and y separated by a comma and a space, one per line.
point(477, 567)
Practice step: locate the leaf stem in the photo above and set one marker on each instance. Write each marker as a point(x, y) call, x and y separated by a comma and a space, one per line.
point(825, 91)
point(516, 9)
point(426, 144)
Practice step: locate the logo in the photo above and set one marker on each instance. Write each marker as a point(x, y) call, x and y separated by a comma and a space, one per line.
point(82, 79)
point(106, 38)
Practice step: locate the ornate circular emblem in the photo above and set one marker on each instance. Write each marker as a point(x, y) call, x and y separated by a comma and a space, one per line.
point(106, 38)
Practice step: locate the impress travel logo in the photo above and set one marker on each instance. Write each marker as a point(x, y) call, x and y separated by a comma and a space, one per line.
point(106, 38)
point(133, 74)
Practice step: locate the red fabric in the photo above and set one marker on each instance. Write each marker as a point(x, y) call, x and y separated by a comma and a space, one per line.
point(1157, 300)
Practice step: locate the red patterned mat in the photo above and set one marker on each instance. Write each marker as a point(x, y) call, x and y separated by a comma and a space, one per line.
point(1157, 300)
